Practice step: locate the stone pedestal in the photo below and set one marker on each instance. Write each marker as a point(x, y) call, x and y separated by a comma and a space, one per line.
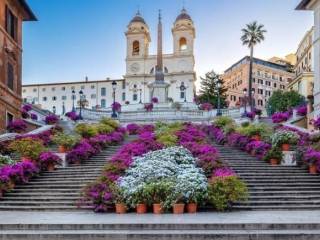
point(288, 158)
point(159, 89)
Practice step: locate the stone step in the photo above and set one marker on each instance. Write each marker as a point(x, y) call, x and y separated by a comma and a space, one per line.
point(284, 197)
point(38, 203)
point(277, 207)
point(282, 181)
point(58, 182)
point(39, 198)
point(44, 208)
point(253, 192)
point(52, 186)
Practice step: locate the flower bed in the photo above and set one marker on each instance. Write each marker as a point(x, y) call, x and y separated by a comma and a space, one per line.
point(146, 172)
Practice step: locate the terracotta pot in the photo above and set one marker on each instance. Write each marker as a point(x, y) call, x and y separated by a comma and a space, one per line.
point(141, 208)
point(178, 208)
point(50, 167)
point(253, 153)
point(192, 207)
point(256, 137)
point(78, 162)
point(285, 147)
point(62, 149)
point(11, 185)
point(274, 162)
point(121, 208)
point(157, 208)
point(313, 169)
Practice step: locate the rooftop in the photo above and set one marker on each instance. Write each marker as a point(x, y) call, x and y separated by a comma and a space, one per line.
point(70, 83)
point(30, 15)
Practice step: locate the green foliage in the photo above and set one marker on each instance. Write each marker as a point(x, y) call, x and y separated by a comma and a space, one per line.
point(209, 90)
point(168, 139)
point(284, 137)
point(86, 130)
point(27, 147)
point(6, 160)
point(224, 191)
point(255, 129)
point(159, 191)
point(110, 122)
point(222, 121)
point(282, 101)
point(252, 34)
point(67, 141)
point(141, 196)
point(117, 193)
point(229, 128)
point(167, 129)
point(104, 128)
point(273, 153)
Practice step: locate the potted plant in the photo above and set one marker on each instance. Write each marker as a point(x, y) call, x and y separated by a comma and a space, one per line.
point(178, 204)
point(18, 126)
point(28, 148)
point(274, 156)
point(118, 197)
point(6, 160)
point(158, 193)
point(51, 119)
point(312, 158)
point(140, 199)
point(284, 138)
point(64, 142)
point(48, 160)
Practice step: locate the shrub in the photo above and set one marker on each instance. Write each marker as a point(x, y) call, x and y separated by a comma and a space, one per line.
point(255, 129)
point(312, 157)
point(133, 128)
point(279, 117)
point(86, 130)
point(67, 141)
point(302, 110)
point(47, 158)
point(27, 147)
point(34, 116)
point(284, 137)
point(17, 125)
point(206, 106)
point(110, 122)
point(51, 119)
point(224, 191)
point(6, 160)
point(273, 153)
point(222, 121)
point(168, 140)
point(316, 123)
point(116, 106)
point(27, 107)
point(148, 107)
point(154, 100)
point(73, 115)
point(104, 128)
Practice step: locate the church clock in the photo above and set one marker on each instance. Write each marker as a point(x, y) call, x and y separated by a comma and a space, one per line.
point(135, 67)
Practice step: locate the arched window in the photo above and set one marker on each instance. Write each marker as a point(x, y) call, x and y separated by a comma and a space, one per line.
point(183, 44)
point(135, 47)
point(103, 103)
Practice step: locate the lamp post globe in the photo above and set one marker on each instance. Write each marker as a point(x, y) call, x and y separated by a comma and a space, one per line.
point(114, 87)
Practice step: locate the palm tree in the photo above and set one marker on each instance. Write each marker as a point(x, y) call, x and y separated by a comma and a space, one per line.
point(253, 34)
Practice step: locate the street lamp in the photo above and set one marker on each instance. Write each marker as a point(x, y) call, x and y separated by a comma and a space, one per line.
point(183, 89)
point(140, 90)
point(252, 100)
point(114, 86)
point(245, 100)
point(81, 96)
point(73, 98)
point(219, 113)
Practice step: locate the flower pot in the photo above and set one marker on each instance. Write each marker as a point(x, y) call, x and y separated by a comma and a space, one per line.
point(141, 208)
point(11, 185)
point(62, 149)
point(285, 147)
point(274, 162)
point(253, 153)
point(313, 169)
point(256, 137)
point(50, 167)
point(157, 208)
point(78, 162)
point(121, 208)
point(178, 208)
point(192, 207)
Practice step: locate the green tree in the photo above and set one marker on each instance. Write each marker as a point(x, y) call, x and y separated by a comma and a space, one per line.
point(252, 34)
point(282, 101)
point(209, 89)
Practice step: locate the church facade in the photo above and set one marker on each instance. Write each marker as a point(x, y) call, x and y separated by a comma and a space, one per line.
point(177, 67)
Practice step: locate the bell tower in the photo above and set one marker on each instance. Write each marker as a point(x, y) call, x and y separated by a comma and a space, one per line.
point(183, 33)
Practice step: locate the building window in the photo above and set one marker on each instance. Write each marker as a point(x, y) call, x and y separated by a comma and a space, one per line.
point(43, 89)
point(103, 91)
point(93, 96)
point(9, 118)
point(10, 76)
point(103, 103)
point(282, 86)
point(260, 102)
point(64, 97)
point(123, 85)
point(280, 78)
point(35, 100)
point(253, 80)
point(82, 87)
point(72, 88)
point(11, 23)
point(135, 97)
point(268, 83)
point(24, 90)
point(54, 98)
point(182, 95)
point(260, 91)
point(260, 81)
point(34, 90)
point(183, 44)
point(63, 88)
point(275, 85)
point(135, 47)
point(44, 99)
point(123, 96)
point(92, 87)
point(53, 89)
point(54, 109)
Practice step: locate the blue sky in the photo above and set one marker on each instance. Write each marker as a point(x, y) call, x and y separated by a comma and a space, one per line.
point(78, 38)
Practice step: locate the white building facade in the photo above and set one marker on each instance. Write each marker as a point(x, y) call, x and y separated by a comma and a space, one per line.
point(178, 68)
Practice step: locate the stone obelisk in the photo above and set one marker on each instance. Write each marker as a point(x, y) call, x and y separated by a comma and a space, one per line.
point(159, 88)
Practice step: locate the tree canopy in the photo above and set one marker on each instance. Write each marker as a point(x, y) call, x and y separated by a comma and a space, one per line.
point(209, 89)
point(282, 101)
